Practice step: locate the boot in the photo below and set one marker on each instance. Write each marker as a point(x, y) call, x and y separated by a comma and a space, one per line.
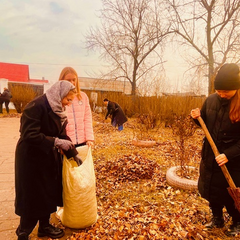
point(217, 222)
point(22, 237)
point(21, 234)
point(234, 229)
point(50, 231)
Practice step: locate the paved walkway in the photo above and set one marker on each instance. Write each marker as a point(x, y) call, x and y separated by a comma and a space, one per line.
point(9, 135)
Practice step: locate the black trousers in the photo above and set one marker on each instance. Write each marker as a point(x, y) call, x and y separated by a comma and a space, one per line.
point(231, 209)
point(6, 105)
point(28, 224)
point(80, 144)
point(1, 103)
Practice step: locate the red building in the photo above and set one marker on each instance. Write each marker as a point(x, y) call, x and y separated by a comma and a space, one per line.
point(15, 74)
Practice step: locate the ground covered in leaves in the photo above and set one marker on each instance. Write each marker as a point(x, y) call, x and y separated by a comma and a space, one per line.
point(134, 199)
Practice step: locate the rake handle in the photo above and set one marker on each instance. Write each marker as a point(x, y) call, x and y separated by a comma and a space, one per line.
point(216, 153)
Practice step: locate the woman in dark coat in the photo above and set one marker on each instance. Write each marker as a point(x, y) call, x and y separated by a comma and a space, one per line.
point(221, 113)
point(116, 112)
point(38, 164)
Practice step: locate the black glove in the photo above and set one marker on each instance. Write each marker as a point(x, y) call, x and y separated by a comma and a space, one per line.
point(78, 160)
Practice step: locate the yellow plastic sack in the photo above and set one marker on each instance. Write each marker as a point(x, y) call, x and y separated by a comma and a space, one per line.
point(79, 191)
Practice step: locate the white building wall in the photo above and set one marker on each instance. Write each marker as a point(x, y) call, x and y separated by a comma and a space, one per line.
point(3, 84)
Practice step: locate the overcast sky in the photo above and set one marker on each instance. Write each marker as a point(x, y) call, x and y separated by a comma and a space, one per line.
point(49, 35)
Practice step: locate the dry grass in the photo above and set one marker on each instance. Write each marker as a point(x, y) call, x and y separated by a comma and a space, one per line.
point(12, 113)
point(134, 200)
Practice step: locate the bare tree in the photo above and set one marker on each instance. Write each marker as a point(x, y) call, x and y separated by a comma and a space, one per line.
point(156, 87)
point(130, 38)
point(211, 28)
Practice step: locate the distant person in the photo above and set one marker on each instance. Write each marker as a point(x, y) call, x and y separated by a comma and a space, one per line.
point(5, 97)
point(38, 160)
point(221, 113)
point(117, 115)
point(79, 127)
point(1, 103)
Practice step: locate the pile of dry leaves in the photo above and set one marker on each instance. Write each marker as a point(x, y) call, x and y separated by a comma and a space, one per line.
point(134, 200)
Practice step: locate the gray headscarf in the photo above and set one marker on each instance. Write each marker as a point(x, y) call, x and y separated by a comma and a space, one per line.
point(55, 94)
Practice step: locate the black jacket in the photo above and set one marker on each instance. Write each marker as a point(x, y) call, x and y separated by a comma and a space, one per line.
point(212, 184)
point(5, 96)
point(38, 164)
point(116, 112)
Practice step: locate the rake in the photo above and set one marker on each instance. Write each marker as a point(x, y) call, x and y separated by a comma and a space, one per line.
point(232, 189)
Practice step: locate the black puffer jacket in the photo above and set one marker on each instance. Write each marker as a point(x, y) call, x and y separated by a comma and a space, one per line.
point(212, 184)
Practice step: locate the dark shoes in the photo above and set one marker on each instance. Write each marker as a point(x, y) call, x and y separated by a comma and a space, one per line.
point(50, 231)
point(215, 223)
point(21, 235)
point(234, 229)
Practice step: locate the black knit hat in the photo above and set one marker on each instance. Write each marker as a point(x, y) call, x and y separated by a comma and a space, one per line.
point(227, 77)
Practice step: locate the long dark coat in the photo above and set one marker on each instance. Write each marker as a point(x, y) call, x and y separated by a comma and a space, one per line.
point(212, 184)
point(38, 164)
point(116, 112)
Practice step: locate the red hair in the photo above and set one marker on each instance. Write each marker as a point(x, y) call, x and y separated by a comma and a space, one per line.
point(234, 113)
